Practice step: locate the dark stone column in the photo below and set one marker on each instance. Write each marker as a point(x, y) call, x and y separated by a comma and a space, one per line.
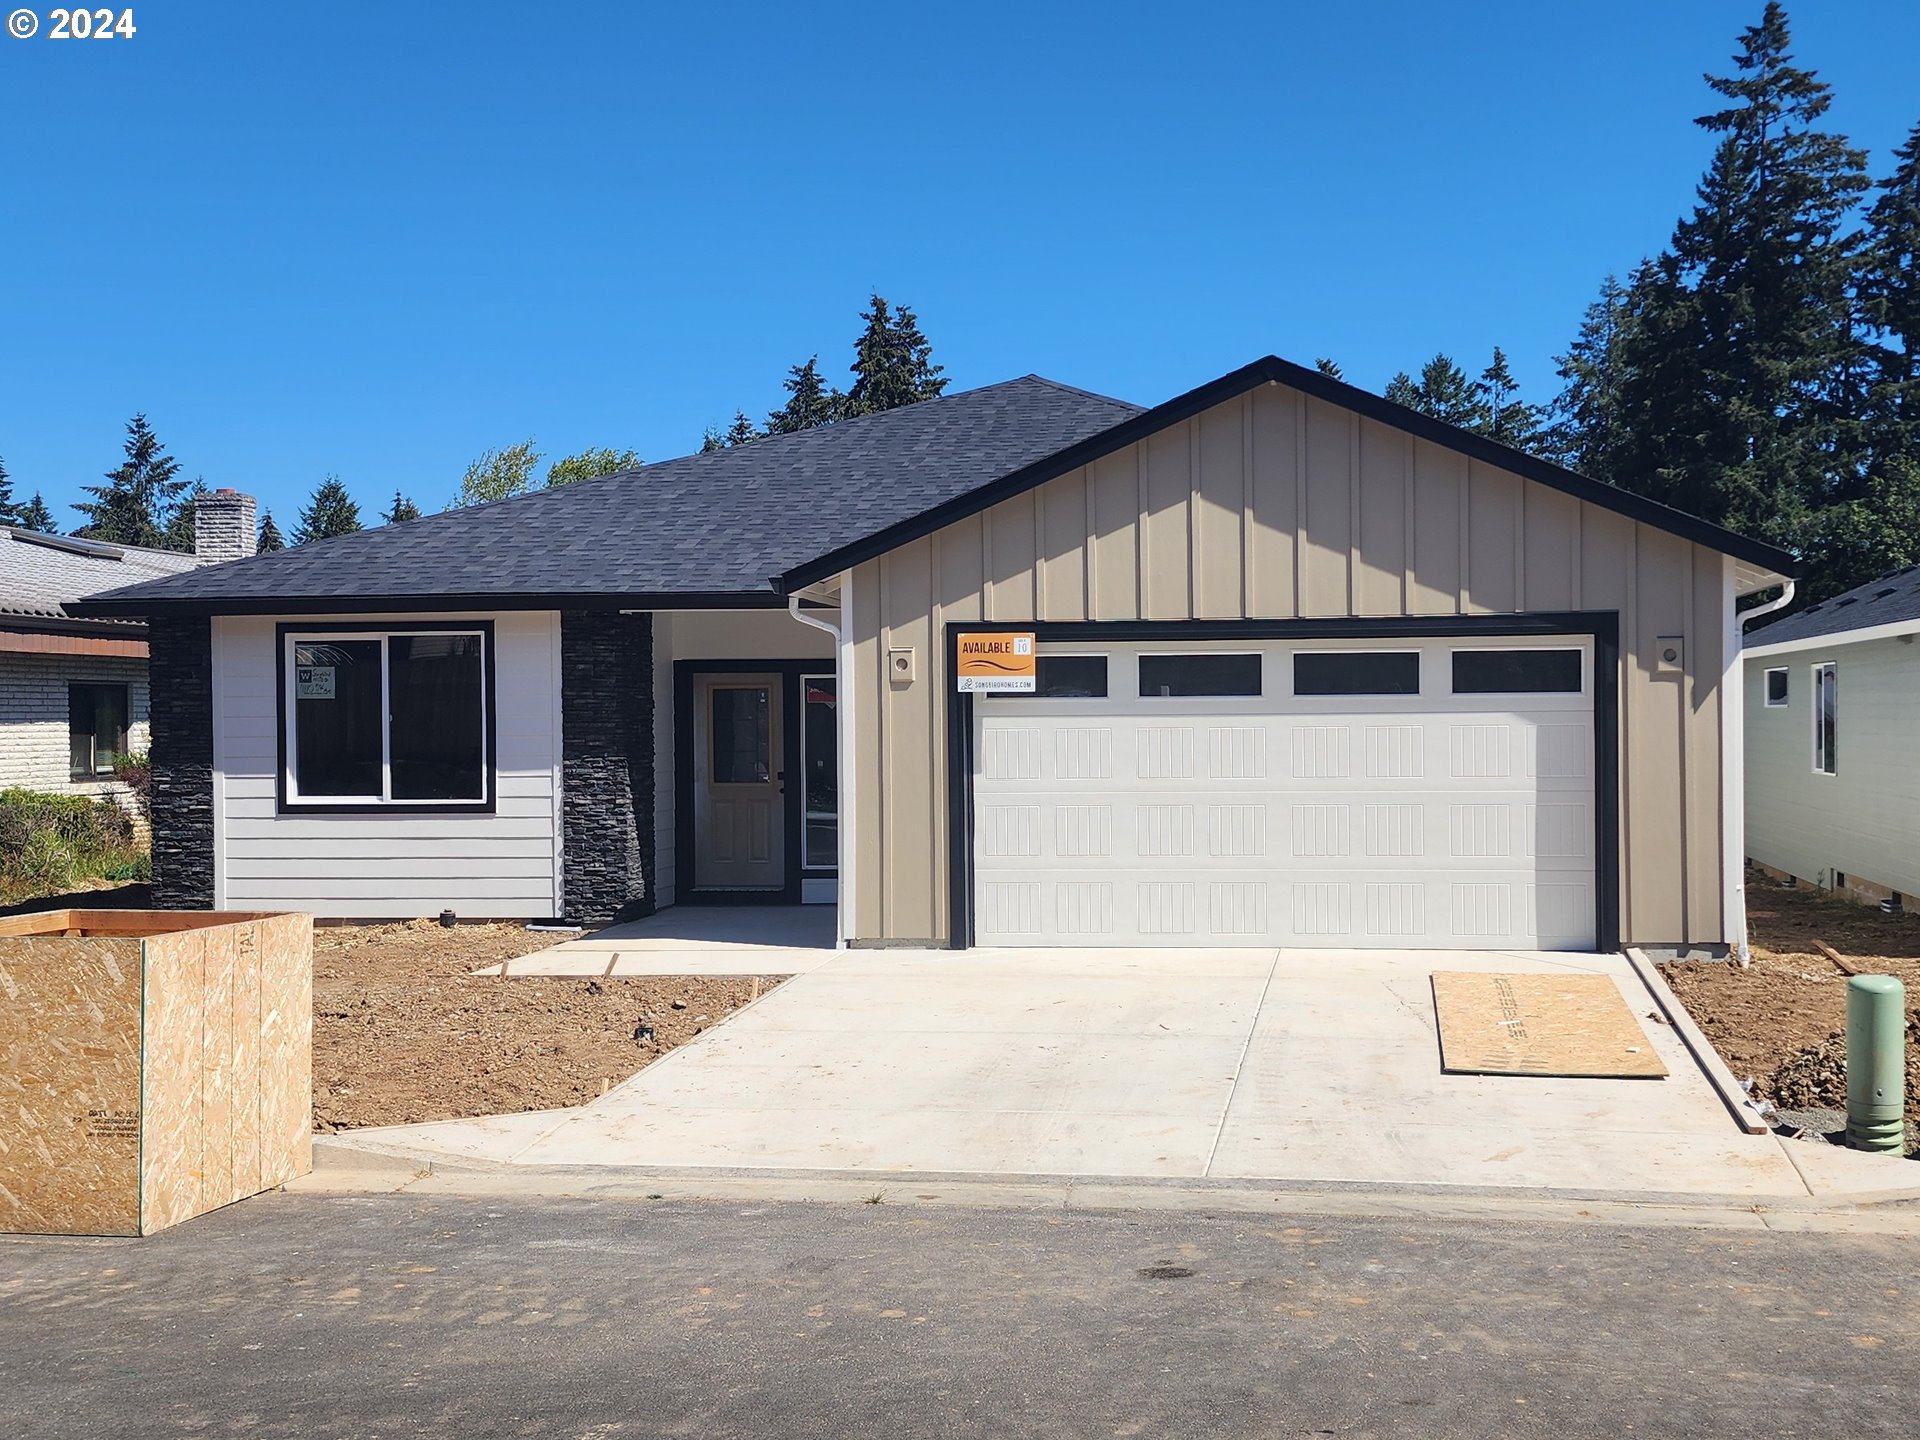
point(606, 727)
point(180, 673)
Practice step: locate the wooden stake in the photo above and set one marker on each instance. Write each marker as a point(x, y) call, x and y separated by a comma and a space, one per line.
point(1847, 967)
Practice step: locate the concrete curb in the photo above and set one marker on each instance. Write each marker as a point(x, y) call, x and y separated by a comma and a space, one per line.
point(1729, 1089)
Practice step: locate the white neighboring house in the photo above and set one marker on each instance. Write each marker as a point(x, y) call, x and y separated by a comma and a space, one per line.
point(73, 691)
point(1832, 717)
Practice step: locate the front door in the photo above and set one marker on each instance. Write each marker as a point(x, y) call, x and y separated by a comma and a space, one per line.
point(739, 789)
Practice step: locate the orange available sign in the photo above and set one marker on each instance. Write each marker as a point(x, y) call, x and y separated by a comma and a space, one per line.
point(1000, 661)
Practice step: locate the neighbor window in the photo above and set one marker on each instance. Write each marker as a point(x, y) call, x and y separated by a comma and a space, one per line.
point(388, 717)
point(1776, 691)
point(96, 728)
point(1164, 675)
point(1374, 672)
point(1826, 718)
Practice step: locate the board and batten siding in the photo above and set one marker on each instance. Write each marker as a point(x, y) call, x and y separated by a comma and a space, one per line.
point(1863, 820)
point(1276, 505)
point(389, 867)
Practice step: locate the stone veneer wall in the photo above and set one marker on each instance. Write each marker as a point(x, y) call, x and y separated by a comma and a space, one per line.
point(607, 788)
point(180, 681)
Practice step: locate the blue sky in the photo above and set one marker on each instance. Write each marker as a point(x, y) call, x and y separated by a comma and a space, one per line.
point(374, 239)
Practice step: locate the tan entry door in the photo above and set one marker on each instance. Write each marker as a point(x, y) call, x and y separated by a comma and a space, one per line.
point(739, 817)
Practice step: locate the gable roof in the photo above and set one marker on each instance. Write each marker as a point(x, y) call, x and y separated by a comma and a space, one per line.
point(1891, 601)
point(700, 530)
point(42, 576)
point(1766, 563)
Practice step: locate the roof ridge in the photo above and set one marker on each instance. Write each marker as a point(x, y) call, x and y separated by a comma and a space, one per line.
point(1088, 394)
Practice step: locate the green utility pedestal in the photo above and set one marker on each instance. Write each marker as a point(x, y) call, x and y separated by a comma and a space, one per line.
point(1876, 1063)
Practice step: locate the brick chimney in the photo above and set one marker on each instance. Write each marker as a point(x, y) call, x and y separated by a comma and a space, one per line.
point(223, 525)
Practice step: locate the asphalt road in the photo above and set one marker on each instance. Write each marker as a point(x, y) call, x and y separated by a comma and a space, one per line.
point(398, 1316)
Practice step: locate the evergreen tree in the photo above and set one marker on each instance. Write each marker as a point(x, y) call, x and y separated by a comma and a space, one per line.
point(1744, 331)
point(1860, 540)
point(270, 540)
point(10, 509)
point(1504, 416)
point(589, 464)
point(892, 361)
point(1585, 429)
point(34, 515)
point(1889, 295)
point(1329, 368)
point(1442, 391)
point(741, 432)
point(497, 475)
point(180, 532)
point(809, 401)
point(1402, 391)
point(402, 511)
point(711, 440)
point(138, 500)
point(330, 511)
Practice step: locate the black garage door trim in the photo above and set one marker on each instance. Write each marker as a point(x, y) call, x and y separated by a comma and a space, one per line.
point(1602, 626)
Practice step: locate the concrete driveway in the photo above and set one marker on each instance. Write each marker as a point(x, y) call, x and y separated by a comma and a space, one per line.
point(1306, 1066)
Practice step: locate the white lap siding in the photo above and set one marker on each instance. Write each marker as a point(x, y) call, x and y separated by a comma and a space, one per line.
point(373, 866)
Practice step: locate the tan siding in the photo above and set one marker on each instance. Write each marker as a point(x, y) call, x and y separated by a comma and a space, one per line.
point(1271, 505)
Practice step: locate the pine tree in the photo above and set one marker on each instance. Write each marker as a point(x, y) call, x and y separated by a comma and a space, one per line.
point(34, 515)
point(180, 531)
point(1584, 431)
point(140, 495)
point(270, 540)
point(10, 509)
point(1889, 295)
point(1504, 416)
point(330, 512)
point(1442, 391)
point(711, 440)
point(1402, 391)
point(741, 432)
point(892, 361)
point(402, 511)
point(809, 401)
point(589, 465)
point(1744, 334)
point(1329, 368)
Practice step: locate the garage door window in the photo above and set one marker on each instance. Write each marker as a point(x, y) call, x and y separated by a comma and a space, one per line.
point(1318, 672)
point(1199, 675)
point(1070, 677)
point(1516, 672)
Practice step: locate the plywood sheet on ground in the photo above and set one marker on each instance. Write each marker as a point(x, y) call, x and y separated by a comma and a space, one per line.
point(1540, 1024)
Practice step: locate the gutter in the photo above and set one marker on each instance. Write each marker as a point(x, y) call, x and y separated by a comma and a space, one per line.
point(1779, 602)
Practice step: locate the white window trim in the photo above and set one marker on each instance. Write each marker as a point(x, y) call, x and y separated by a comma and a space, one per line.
point(290, 786)
point(1766, 693)
point(1830, 767)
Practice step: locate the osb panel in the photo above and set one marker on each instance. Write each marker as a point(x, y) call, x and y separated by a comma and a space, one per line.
point(69, 1086)
point(1539, 1024)
point(284, 1088)
point(172, 1139)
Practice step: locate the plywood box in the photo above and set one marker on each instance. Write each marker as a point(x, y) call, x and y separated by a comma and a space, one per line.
point(154, 1065)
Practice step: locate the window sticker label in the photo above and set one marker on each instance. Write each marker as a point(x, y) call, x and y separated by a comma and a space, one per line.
point(996, 662)
point(313, 682)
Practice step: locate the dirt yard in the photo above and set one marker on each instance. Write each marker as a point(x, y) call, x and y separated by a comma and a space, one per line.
point(1783, 1021)
point(402, 1032)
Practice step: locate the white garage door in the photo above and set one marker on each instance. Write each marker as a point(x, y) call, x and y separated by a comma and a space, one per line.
point(1429, 793)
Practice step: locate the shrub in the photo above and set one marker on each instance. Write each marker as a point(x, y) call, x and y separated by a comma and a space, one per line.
point(135, 771)
point(51, 843)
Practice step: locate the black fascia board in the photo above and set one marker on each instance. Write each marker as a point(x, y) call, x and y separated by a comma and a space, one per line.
point(1272, 369)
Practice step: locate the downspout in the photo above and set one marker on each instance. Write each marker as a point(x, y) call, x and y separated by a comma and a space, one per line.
point(843, 756)
point(1733, 777)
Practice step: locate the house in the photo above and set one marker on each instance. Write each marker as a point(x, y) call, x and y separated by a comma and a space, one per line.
point(73, 690)
point(1832, 692)
point(1308, 669)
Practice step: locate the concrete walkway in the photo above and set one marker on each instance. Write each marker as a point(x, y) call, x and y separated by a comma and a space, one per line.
point(1219, 1066)
point(693, 940)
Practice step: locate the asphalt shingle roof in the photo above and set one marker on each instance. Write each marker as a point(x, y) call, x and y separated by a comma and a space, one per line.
point(720, 524)
point(1886, 601)
point(40, 575)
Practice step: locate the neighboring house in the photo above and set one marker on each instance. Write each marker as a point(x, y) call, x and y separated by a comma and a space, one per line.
point(1833, 711)
point(1313, 670)
point(73, 690)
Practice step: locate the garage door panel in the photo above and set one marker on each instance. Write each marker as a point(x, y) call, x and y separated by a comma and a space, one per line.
point(1437, 820)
